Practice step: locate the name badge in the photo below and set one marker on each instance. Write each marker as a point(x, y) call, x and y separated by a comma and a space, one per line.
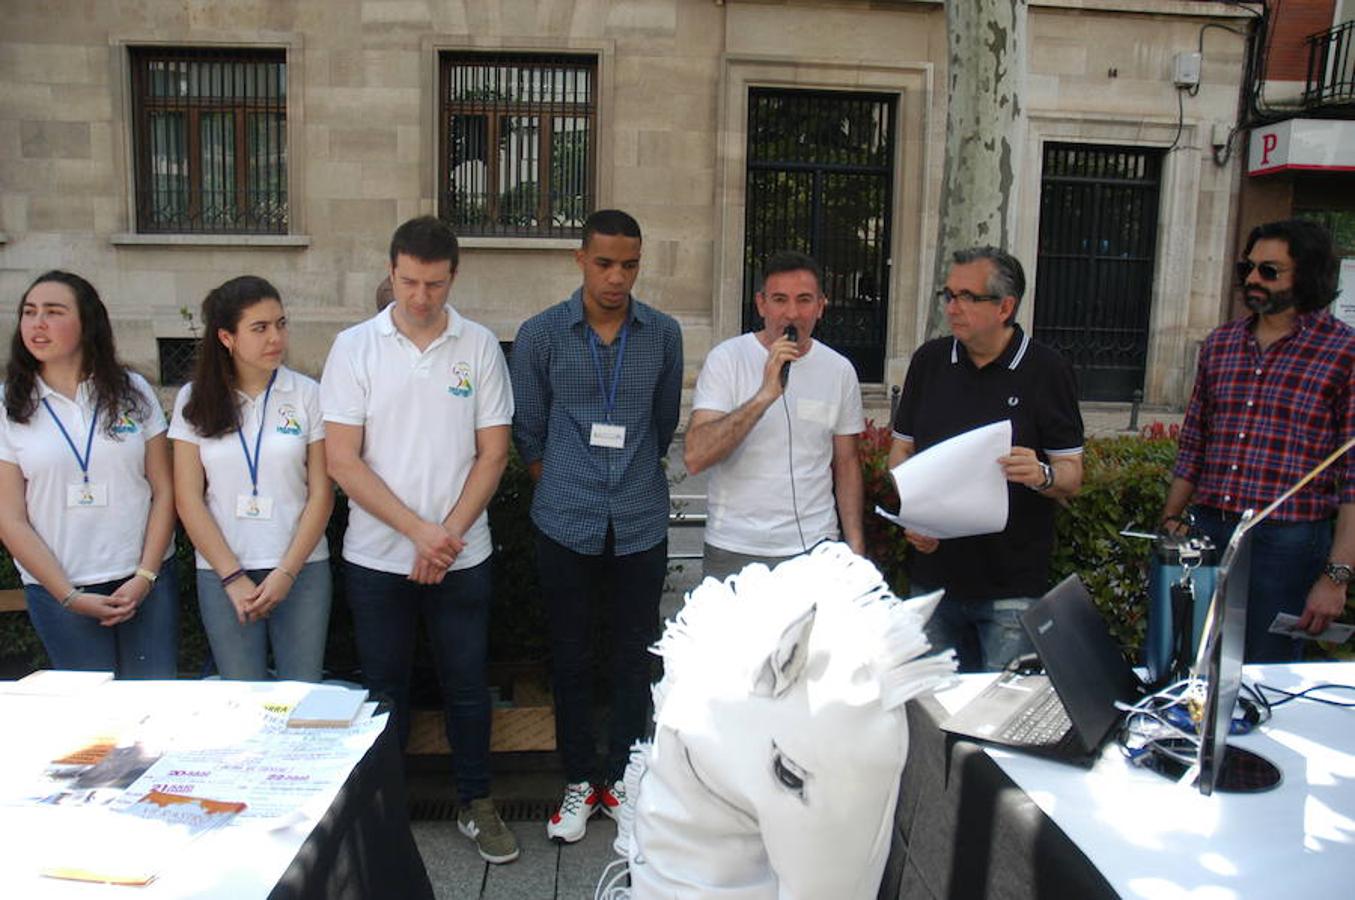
point(248, 506)
point(86, 493)
point(605, 435)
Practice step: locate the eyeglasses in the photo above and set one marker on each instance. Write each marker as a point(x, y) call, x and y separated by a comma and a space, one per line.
point(947, 295)
point(1267, 270)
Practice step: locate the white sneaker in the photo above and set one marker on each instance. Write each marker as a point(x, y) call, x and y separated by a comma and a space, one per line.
point(571, 820)
point(612, 799)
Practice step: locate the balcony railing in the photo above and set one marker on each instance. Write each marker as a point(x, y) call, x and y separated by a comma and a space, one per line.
point(1331, 67)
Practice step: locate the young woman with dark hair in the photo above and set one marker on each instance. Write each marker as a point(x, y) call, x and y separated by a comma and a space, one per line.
point(86, 489)
point(252, 491)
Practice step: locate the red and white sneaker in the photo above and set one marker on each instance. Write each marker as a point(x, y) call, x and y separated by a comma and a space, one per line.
point(571, 820)
point(612, 799)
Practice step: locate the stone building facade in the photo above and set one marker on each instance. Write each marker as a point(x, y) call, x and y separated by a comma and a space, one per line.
point(367, 146)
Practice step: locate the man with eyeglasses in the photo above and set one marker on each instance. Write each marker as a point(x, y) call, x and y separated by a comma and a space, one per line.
point(987, 371)
point(1272, 399)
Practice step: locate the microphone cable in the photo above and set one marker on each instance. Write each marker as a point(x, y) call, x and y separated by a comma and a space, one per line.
point(790, 463)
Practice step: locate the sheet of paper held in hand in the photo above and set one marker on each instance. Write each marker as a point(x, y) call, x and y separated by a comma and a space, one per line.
point(1288, 625)
point(955, 488)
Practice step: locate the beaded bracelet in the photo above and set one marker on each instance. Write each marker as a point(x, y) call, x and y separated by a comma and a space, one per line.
point(70, 595)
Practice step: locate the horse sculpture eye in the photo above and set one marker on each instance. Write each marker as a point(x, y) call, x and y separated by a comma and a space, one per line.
point(788, 774)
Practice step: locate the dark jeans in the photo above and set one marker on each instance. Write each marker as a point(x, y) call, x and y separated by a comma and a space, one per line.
point(145, 646)
point(1286, 558)
point(386, 608)
point(572, 584)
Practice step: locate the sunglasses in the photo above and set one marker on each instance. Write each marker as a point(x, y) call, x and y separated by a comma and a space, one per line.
point(1267, 270)
point(947, 295)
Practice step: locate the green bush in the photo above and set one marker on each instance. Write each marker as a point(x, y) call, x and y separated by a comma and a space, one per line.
point(885, 545)
point(1124, 482)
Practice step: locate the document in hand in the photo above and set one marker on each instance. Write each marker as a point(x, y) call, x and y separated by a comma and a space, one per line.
point(955, 488)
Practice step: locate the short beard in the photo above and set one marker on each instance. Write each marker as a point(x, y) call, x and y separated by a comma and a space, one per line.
point(1270, 304)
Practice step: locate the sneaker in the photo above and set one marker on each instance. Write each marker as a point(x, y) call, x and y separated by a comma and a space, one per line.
point(480, 822)
point(612, 800)
point(571, 820)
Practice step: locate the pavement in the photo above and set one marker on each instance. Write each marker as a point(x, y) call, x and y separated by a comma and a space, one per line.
point(528, 785)
point(544, 871)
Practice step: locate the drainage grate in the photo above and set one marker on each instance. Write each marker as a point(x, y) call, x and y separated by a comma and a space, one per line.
point(441, 809)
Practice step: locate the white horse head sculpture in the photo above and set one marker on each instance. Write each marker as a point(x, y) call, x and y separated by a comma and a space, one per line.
point(781, 734)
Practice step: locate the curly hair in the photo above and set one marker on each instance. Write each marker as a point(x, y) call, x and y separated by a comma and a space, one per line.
point(1316, 267)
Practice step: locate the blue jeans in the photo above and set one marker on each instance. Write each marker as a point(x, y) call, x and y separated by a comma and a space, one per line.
point(1286, 558)
point(986, 634)
point(296, 627)
point(386, 608)
point(572, 583)
point(145, 646)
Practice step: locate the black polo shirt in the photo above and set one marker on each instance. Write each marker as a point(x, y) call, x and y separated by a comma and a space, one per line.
point(945, 395)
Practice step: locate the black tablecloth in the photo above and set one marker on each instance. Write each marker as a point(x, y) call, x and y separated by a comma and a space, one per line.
point(363, 847)
point(963, 829)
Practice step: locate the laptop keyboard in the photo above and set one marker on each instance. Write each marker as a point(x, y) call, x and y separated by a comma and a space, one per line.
point(1041, 723)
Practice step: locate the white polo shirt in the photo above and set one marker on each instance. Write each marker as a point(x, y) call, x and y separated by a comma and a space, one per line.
point(419, 412)
point(751, 507)
point(291, 423)
point(93, 544)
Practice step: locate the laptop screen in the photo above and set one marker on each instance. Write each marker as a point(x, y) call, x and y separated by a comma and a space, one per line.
point(1221, 654)
point(1082, 659)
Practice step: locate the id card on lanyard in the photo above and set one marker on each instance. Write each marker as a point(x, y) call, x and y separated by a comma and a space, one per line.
point(83, 493)
point(251, 506)
point(606, 434)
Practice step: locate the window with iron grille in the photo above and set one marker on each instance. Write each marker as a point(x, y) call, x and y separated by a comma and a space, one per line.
point(210, 140)
point(178, 356)
point(517, 136)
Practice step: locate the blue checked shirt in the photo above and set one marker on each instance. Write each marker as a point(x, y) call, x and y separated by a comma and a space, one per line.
point(557, 397)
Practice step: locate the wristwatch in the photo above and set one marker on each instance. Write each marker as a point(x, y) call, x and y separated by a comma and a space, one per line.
point(1048, 471)
point(1339, 572)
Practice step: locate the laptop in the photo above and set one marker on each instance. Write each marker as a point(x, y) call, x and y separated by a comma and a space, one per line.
point(1068, 712)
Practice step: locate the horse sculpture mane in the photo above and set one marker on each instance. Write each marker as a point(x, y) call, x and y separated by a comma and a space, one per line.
point(780, 734)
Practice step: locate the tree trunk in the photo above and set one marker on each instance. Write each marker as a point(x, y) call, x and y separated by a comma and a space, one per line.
point(985, 132)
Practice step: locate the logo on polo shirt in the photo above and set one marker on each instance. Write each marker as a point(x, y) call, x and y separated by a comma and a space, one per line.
point(460, 386)
point(291, 424)
point(125, 424)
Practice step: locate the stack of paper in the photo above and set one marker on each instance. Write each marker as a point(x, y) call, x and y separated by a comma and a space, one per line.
point(327, 707)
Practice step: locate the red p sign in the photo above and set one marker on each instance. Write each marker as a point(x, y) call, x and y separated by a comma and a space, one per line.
point(1268, 144)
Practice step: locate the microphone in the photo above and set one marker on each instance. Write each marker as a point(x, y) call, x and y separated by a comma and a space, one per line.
point(793, 333)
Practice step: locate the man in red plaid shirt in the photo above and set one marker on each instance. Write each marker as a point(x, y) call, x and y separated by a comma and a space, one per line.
point(1272, 399)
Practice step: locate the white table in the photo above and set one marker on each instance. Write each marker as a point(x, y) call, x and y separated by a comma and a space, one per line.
point(1152, 838)
point(246, 859)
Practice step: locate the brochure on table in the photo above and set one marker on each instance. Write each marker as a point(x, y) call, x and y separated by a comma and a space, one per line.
point(92, 755)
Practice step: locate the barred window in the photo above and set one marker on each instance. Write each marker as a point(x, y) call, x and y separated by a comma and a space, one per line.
point(210, 140)
point(517, 143)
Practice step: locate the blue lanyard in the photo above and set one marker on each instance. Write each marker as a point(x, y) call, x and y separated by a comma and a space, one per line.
point(253, 464)
point(609, 397)
point(89, 441)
